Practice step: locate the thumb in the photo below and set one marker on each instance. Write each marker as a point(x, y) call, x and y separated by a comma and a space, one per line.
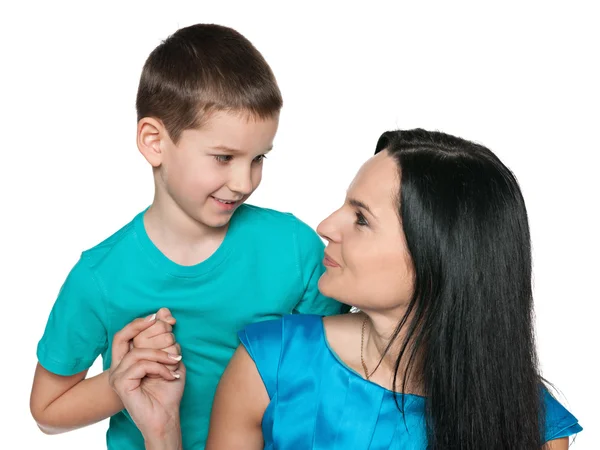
point(165, 315)
point(120, 345)
point(181, 370)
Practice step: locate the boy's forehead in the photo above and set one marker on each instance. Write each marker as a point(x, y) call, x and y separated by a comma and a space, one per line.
point(236, 132)
point(227, 149)
point(245, 119)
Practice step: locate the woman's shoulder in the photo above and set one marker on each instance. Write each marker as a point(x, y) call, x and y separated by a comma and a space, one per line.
point(293, 324)
point(300, 335)
point(277, 334)
point(341, 327)
point(343, 321)
point(281, 347)
point(342, 335)
point(559, 422)
point(288, 323)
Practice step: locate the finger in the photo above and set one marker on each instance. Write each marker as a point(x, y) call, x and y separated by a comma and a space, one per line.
point(146, 354)
point(182, 372)
point(160, 342)
point(120, 345)
point(173, 350)
point(132, 376)
point(159, 327)
point(165, 315)
point(172, 368)
point(179, 370)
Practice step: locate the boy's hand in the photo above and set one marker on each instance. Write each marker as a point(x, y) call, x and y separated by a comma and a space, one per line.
point(153, 402)
point(160, 336)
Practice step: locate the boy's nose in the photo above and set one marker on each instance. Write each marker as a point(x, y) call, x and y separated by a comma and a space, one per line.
point(241, 183)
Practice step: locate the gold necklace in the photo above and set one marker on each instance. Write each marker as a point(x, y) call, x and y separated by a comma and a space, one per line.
point(362, 345)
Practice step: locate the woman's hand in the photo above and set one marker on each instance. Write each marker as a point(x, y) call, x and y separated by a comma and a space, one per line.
point(159, 336)
point(153, 403)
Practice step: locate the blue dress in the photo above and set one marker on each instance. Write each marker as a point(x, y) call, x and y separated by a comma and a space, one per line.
point(317, 402)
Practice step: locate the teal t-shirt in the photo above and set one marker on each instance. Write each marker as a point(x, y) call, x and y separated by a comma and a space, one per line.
point(268, 265)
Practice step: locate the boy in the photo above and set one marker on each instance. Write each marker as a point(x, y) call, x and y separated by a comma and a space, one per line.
point(208, 108)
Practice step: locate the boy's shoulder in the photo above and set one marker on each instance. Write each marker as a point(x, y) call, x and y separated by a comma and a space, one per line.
point(120, 242)
point(253, 213)
point(274, 223)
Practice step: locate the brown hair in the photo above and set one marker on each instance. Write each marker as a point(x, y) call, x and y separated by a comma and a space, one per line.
point(201, 69)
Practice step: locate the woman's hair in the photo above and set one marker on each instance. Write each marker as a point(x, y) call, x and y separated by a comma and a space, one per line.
point(469, 331)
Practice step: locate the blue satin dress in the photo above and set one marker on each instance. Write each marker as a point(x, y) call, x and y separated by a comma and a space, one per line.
point(318, 402)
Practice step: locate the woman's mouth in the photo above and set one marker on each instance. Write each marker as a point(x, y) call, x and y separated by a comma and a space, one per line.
point(327, 261)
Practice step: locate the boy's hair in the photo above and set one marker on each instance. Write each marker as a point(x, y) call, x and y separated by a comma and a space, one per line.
point(201, 69)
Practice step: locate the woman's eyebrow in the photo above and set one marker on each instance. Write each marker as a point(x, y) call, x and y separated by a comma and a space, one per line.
point(358, 204)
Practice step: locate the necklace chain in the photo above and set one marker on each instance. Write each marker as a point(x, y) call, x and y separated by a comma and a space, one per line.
point(362, 345)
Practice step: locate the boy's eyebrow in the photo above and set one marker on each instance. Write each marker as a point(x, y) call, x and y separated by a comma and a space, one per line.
point(358, 204)
point(224, 148)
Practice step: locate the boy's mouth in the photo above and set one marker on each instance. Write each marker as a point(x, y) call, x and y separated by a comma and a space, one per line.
point(227, 205)
point(225, 202)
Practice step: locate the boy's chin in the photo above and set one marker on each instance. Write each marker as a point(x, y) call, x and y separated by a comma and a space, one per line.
point(217, 222)
point(218, 219)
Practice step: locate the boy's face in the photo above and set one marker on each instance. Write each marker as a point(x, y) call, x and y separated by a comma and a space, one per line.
point(214, 169)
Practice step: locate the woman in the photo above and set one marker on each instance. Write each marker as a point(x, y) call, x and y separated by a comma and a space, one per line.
point(432, 246)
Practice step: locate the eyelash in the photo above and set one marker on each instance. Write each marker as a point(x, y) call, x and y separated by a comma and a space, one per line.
point(224, 159)
point(361, 221)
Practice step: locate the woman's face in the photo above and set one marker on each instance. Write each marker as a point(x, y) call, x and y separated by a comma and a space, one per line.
point(367, 260)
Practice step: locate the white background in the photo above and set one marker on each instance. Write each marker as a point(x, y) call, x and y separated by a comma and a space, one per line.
point(522, 78)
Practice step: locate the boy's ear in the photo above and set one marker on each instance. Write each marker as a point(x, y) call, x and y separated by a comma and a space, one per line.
point(150, 134)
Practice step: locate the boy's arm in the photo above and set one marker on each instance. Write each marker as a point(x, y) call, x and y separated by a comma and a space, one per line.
point(63, 403)
point(75, 335)
point(310, 250)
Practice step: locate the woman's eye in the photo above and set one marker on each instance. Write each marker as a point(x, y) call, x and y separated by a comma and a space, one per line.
point(361, 220)
point(260, 158)
point(223, 158)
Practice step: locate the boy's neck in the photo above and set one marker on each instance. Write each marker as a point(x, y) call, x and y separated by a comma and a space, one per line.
point(179, 237)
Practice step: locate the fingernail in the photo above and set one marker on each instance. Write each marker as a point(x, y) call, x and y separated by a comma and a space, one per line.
point(150, 318)
point(176, 358)
point(175, 374)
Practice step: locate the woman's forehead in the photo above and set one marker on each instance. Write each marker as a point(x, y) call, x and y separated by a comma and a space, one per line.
point(376, 184)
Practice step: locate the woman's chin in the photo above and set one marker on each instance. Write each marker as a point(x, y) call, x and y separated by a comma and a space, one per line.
point(327, 286)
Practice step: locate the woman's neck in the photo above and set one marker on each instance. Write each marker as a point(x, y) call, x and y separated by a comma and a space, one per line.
point(379, 331)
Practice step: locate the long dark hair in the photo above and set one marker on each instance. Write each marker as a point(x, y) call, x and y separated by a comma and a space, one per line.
point(469, 325)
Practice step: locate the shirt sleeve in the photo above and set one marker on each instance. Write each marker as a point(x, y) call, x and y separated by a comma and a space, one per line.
point(76, 331)
point(310, 250)
point(559, 421)
point(263, 341)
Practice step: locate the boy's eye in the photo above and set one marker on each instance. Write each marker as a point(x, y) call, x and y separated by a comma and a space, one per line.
point(223, 158)
point(361, 220)
point(260, 158)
